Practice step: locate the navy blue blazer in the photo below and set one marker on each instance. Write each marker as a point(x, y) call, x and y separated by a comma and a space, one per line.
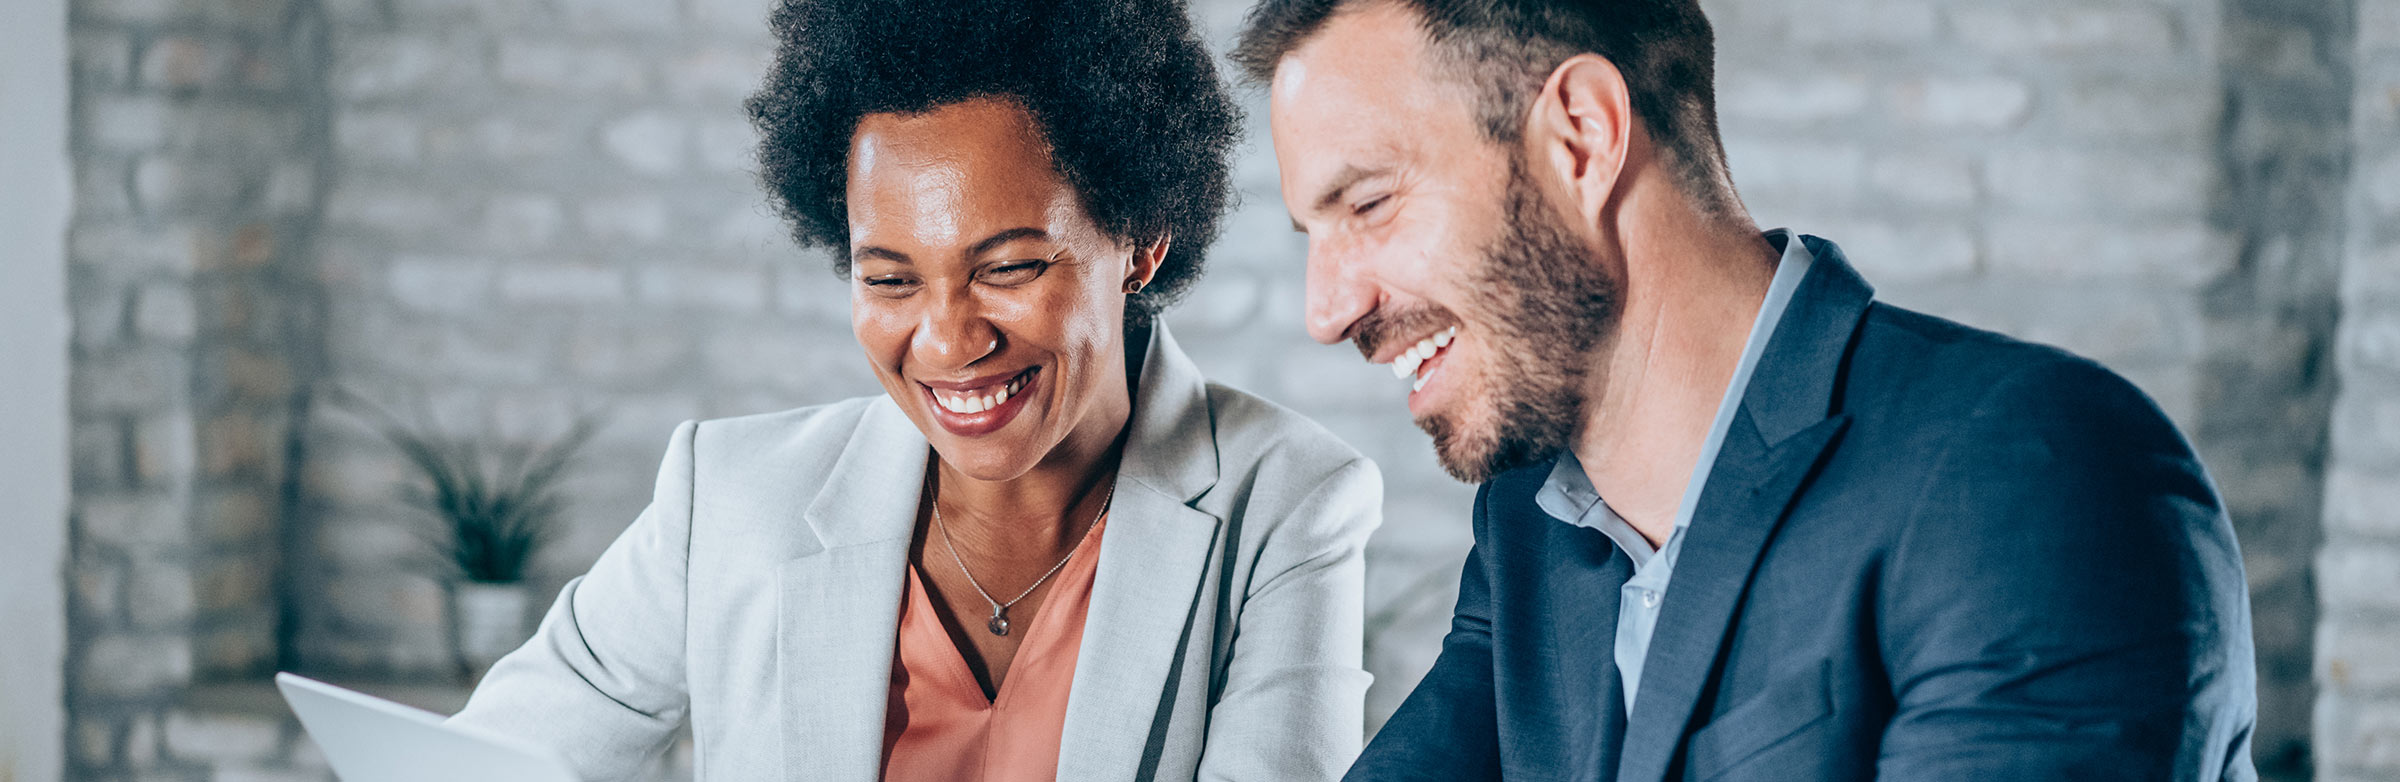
point(1925, 552)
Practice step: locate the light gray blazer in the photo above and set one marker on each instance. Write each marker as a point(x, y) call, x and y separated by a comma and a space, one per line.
point(759, 594)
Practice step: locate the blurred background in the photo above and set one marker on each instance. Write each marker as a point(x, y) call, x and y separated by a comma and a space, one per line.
point(491, 217)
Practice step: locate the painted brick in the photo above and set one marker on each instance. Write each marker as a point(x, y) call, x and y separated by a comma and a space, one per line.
point(1981, 103)
point(185, 62)
point(747, 18)
point(2366, 428)
point(158, 594)
point(648, 17)
point(2372, 277)
point(1794, 97)
point(388, 66)
point(2359, 575)
point(130, 381)
point(1867, 23)
point(2355, 655)
point(517, 222)
point(222, 737)
point(714, 291)
point(2062, 182)
point(648, 143)
point(118, 123)
point(559, 66)
point(716, 73)
point(635, 217)
point(726, 144)
point(1925, 180)
point(134, 665)
point(2370, 344)
point(378, 136)
point(2161, 105)
point(99, 60)
point(1911, 252)
point(164, 448)
point(165, 313)
point(2182, 255)
point(562, 283)
point(2071, 29)
point(2358, 736)
point(440, 283)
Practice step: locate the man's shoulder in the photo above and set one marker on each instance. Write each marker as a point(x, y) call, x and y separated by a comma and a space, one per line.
point(1917, 372)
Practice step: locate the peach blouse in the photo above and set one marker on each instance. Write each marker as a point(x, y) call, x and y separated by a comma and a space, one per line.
point(937, 724)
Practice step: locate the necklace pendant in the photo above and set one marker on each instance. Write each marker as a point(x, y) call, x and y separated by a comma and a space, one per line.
point(999, 623)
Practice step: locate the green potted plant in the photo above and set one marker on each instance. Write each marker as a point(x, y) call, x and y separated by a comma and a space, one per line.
point(495, 507)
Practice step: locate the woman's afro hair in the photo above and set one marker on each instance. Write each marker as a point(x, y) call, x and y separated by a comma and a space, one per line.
point(1124, 92)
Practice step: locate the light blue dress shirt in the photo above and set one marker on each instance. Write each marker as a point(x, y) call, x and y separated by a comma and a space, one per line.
point(1569, 496)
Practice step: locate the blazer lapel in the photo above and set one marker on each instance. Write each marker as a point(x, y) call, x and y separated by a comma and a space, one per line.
point(1747, 494)
point(840, 608)
point(1153, 560)
point(1787, 422)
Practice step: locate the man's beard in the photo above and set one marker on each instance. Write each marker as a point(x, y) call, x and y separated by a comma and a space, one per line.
point(1549, 308)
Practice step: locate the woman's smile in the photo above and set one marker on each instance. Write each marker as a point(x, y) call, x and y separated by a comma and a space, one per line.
point(982, 405)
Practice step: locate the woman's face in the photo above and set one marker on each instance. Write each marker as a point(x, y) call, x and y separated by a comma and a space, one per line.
point(990, 305)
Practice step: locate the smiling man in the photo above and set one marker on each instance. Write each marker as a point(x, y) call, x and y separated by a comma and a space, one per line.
point(1738, 520)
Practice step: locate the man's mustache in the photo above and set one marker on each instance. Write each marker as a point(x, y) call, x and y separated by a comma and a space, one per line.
point(1381, 327)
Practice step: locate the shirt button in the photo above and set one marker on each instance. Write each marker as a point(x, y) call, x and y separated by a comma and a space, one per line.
point(1649, 598)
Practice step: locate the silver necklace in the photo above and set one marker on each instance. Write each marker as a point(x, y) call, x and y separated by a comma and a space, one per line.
point(999, 621)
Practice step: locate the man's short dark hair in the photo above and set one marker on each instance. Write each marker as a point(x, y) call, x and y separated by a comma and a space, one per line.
point(1124, 92)
point(1505, 49)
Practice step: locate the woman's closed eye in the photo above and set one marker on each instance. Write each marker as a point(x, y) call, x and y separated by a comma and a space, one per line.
point(1014, 273)
point(890, 284)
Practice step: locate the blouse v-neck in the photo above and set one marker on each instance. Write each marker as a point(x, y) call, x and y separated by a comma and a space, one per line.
point(939, 725)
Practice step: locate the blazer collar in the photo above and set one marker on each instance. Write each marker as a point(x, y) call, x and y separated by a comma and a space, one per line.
point(1793, 421)
point(1794, 384)
point(1172, 448)
point(1173, 445)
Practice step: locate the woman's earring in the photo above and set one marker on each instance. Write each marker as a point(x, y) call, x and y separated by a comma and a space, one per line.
point(1133, 286)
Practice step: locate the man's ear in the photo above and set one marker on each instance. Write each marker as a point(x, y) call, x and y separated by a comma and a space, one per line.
point(1580, 127)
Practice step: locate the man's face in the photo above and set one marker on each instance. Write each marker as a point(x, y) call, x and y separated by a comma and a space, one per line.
point(1434, 249)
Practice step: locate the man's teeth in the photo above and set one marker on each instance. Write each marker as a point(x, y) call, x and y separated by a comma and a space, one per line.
point(969, 402)
point(1409, 361)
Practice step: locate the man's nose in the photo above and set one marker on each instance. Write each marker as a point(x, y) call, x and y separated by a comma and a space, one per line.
point(1337, 296)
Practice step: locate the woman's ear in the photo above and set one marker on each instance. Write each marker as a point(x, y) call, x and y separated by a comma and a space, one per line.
point(1144, 264)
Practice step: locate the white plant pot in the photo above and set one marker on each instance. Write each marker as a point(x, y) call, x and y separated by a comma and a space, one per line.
point(491, 621)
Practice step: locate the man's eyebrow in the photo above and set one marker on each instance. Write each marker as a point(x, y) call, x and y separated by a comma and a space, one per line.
point(1347, 178)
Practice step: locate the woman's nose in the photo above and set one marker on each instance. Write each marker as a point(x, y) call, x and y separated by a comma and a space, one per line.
point(955, 333)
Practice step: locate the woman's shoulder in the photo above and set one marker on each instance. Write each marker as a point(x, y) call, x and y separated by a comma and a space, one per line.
point(1260, 437)
point(792, 440)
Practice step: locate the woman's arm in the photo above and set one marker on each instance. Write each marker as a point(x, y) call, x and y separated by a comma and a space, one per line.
point(602, 681)
point(1294, 695)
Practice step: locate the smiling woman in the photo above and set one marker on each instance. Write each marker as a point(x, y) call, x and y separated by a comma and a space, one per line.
point(1051, 549)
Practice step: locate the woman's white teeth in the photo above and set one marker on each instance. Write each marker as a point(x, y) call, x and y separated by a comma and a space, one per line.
point(1410, 360)
point(976, 403)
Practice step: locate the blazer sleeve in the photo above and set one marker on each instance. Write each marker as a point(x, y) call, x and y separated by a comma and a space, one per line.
point(2067, 601)
point(602, 681)
point(1294, 689)
point(1448, 730)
